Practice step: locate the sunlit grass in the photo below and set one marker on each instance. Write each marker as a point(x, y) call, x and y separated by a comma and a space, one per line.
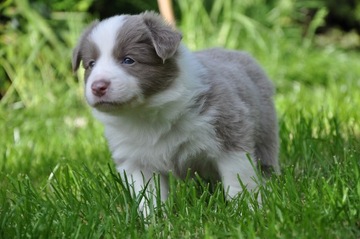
point(56, 174)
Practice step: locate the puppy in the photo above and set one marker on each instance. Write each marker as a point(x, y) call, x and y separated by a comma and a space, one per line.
point(166, 109)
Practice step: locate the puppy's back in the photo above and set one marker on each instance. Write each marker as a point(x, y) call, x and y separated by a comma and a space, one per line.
point(236, 62)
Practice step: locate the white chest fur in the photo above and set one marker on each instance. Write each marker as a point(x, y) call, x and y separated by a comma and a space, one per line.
point(158, 142)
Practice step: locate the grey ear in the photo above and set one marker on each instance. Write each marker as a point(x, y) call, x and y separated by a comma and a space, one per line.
point(164, 37)
point(76, 56)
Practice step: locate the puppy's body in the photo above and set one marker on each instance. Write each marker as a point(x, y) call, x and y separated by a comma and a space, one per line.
point(168, 109)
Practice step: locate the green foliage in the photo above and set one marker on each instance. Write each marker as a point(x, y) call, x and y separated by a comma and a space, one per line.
point(34, 56)
point(56, 174)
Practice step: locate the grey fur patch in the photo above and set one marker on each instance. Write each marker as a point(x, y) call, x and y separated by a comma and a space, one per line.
point(241, 94)
point(84, 48)
point(140, 41)
point(165, 39)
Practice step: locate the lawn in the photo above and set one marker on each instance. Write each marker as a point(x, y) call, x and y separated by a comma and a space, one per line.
point(57, 179)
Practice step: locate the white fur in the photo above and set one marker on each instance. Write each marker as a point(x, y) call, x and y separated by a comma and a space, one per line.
point(124, 87)
point(144, 135)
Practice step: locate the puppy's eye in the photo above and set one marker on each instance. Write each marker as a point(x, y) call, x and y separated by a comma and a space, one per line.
point(91, 64)
point(127, 61)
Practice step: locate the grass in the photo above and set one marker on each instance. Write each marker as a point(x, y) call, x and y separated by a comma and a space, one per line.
point(57, 178)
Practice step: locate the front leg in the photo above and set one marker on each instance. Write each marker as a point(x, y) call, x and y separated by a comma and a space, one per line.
point(141, 179)
point(237, 165)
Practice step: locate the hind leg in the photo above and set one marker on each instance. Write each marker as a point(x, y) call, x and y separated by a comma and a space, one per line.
point(267, 143)
point(233, 167)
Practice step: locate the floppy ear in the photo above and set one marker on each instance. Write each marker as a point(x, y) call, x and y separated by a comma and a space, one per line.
point(76, 56)
point(164, 37)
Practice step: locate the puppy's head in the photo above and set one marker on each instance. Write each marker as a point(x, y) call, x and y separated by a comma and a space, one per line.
point(127, 59)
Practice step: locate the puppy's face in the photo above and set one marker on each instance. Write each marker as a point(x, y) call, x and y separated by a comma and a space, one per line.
point(127, 59)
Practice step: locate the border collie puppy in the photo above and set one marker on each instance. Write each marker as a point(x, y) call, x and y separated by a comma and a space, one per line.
point(167, 109)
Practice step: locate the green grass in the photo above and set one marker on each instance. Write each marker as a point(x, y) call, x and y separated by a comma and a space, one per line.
point(57, 179)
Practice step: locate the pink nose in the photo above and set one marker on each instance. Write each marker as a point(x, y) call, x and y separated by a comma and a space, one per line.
point(100, 87)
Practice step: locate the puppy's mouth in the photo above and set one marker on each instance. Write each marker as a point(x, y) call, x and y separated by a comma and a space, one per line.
point(112, 106)
point(111, 103)
point(108, 105)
